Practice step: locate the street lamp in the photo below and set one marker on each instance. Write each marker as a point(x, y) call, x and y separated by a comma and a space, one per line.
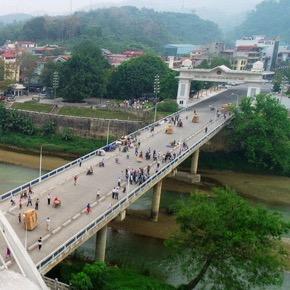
point(156, 92)
point(108, 131)
point(55, 82)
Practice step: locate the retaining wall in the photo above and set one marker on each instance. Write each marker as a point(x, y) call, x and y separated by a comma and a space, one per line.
point(85, 127)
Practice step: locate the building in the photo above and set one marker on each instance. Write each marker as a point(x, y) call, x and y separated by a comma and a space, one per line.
point(116, 59)
point(249, 50)
point(11, 65)
point(179, 50)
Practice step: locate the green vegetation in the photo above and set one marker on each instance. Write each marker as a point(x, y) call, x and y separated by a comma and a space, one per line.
point(17, 130)
point(262, 132)
point(168, 107)
point(84, 75)
point(33, 106)
point(116, 28)
point(99, 276)
point(65, 143)
point(228, 243)
point(97, 113)
point(257, 22)
point(135, 77)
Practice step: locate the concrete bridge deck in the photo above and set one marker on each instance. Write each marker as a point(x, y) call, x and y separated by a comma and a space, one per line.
point(70, 225)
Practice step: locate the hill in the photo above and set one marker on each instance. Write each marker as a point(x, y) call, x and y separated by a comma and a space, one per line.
point(270, 18)
point(117, 28)
point(11, 18)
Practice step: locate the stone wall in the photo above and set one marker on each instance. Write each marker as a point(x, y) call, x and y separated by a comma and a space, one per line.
point(85, 127)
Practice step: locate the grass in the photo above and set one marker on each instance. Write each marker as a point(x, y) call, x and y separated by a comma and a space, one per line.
point(97, 113)
point(53, 144)
point(33, 106)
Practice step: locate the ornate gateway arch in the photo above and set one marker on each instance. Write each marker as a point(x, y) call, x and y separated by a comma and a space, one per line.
point(220, 74)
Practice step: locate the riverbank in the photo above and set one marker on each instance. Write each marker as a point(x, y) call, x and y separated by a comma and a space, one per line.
point(53, 145)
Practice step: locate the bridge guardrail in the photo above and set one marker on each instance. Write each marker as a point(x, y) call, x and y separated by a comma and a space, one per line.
point(73, 163)
point(125, 201)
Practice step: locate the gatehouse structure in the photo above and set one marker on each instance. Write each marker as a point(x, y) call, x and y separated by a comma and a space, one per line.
point(221, 74)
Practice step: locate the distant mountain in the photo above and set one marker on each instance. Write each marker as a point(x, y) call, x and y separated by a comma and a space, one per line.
point(270, 18)
point(118, 28)
point(11, 18)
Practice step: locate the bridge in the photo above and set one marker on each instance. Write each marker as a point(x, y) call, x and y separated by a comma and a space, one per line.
point(70, 224)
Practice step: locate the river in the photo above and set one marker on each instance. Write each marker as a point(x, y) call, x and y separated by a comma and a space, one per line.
point(142, 253)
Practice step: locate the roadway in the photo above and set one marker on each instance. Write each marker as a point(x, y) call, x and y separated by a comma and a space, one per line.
point(70, 217)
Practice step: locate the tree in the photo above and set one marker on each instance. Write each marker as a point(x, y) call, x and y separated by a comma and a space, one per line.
point(84, 75)
point(4, 84)
point(81, 281)
point(46, 75)
point(28, 64)
point(35, 29)
point(261, 131)
point(227, 243)
point(134, 78)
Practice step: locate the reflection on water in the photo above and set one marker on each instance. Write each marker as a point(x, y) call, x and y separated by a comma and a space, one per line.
point(143, 253)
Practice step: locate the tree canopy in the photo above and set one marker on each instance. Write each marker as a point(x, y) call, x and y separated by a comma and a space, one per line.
point(116, 28)
point(262, 132)
point(134, 78)
point(225, 243)
point(84, 75)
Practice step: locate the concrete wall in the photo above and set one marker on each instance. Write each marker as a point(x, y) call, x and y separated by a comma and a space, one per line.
point(85, 127)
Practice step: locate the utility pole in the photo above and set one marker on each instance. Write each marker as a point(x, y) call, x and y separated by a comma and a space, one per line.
point(156, 92)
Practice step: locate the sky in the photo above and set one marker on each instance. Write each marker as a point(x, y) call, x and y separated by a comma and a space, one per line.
point(52, 7)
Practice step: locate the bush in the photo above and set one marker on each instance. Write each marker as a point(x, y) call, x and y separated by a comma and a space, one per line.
point(67, 134)
point(95, 271)
point(168, 106)
point(81, 281)
point(49, 128)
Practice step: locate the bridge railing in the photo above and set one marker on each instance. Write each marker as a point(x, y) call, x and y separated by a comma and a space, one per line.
point(125, 202)
point(75, 162)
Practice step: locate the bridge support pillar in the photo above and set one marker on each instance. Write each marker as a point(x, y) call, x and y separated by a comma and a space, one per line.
point(156, 201)
point(194, 162)
point(101, 242)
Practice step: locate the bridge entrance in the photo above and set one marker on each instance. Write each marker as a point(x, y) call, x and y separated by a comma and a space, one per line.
point(221, 74)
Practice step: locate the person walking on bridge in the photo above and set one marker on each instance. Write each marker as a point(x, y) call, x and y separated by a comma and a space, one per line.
point(48, 224)
point(39, 242)
point(75, 180)
point(29, 201)
point(48, 199)
point(37, 203)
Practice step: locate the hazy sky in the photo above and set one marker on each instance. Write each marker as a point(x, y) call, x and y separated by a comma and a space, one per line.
point(63, 6)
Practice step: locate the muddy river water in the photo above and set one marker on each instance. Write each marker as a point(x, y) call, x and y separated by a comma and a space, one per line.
point(124, 248)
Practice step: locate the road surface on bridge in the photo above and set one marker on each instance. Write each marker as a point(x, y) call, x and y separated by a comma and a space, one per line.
point(66, 220)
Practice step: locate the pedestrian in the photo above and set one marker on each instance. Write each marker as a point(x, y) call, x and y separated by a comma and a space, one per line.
point(98, 194)
point(29, 201)
point(20, 203)
point(37, 203)
point(8, 253)
point(48, 199)
point(39, 242)
point(119, 181)
point(48, 224)
point(80, 162)
point(205, 130)
point(30, 190)
point(124, 189)
point(19, 217)
point(75, 180)
point(12, 201)
point(88, 208)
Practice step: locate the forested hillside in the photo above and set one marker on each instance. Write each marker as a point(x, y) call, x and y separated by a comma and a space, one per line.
point(270, 18)
point(116, 28)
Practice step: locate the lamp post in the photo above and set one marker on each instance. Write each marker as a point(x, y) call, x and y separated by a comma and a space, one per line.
point(40, 161)
point(55, 83)
point(108, 131)
point(156, 92)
